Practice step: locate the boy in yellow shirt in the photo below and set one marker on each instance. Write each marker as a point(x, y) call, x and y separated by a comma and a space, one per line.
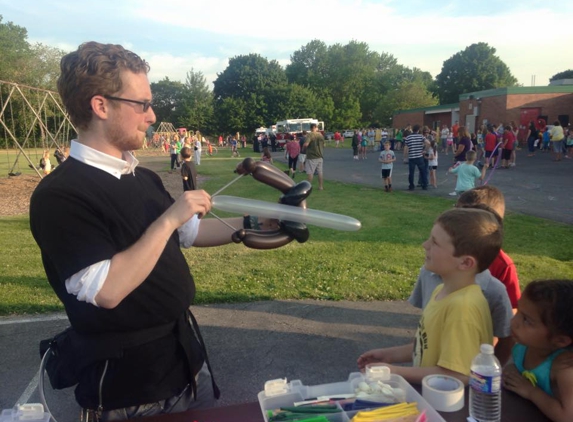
point(457, 319)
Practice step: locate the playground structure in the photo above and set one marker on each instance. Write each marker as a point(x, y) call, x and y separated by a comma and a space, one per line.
point(164, 131)
point(31, 119)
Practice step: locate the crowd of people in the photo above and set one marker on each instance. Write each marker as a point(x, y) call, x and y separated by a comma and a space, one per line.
point(492, 146)
point(555, 139)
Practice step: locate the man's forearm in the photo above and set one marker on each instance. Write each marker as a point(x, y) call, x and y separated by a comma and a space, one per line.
point(131, 267)
point(213, 232)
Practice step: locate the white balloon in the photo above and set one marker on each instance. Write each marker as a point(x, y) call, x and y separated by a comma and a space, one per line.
point(285, 212)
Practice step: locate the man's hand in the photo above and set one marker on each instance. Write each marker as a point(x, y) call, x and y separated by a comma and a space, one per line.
point(514, 381)
point(187, 205)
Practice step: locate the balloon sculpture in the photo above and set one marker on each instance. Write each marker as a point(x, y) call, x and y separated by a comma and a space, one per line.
point(293, 195)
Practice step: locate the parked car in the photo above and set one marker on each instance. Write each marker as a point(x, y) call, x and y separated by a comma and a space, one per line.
point(329, 136)
point(348, 133)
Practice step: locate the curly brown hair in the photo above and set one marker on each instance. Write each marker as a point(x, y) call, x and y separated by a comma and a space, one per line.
point(94, 69)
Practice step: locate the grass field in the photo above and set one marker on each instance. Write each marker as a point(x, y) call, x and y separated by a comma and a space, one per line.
point(379, 262)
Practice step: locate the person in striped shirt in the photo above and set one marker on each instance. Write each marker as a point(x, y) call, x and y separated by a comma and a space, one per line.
point(415, 145)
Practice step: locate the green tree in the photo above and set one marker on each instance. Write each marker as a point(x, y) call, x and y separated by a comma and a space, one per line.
point(198, 103)
point(231, 116)
point(352, 67)
point(169, 101)
point(249, 79)
point(474, 69)
point(16, 52)
point(384, 92)
point(310, 66)
point(45, 66)
point(340, 76)
point(247, 74)
point(566, 74)
point(347, 114)
point(411, 94)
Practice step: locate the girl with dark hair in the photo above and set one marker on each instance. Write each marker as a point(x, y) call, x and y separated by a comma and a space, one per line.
point(542, 369)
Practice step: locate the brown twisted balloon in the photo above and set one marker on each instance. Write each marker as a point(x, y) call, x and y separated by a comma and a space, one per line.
point(293, 194)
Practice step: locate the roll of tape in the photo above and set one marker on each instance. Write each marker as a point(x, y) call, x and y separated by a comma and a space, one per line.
point(443, 393)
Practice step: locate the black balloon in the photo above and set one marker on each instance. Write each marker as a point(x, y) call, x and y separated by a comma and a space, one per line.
point(297, 194)
point(297, 230)
point(294, 195)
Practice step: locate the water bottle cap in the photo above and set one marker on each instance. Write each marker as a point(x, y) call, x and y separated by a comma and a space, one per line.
point(486, 349)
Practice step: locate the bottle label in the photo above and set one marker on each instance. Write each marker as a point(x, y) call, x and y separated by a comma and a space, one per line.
point(485, 384)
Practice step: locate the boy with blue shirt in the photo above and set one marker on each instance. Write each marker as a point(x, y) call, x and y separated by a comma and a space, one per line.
point(457, 319)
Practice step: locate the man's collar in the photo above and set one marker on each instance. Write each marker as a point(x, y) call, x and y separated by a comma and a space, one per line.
point(92, 157)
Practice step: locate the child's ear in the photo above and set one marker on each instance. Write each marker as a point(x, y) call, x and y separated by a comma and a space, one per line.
point(561, 341)
point(467, 262)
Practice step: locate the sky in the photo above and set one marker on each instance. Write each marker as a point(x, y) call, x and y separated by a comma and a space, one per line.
point(532, 37)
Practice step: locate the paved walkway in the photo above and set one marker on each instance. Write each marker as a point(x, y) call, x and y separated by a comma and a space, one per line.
point(536, 186)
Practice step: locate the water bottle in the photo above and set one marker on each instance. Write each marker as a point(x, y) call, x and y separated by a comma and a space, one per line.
point(485, 386)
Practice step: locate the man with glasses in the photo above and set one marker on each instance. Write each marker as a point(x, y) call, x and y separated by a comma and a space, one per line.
point(110, 237)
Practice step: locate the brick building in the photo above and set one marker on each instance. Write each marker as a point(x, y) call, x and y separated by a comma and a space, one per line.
point(433, 117)
point(503, 105)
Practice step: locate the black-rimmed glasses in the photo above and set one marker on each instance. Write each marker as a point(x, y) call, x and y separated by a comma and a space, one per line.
point(145, 104)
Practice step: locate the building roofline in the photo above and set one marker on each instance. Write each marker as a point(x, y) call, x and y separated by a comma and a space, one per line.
point(518, 90)
point(512, 90)
point(436, 109)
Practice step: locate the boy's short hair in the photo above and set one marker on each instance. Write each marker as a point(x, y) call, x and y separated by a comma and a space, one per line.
point(474, 232)
point(471, 155)
point(185, 152)
point(386, 142)
point(483, 195)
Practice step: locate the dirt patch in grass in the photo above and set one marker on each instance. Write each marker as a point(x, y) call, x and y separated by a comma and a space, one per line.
point(15, 192)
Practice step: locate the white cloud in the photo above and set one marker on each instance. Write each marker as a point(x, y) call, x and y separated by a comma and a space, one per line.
point(179, 34)
point(176, 67)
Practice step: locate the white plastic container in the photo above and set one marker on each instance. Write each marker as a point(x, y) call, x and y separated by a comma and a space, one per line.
point(30, 412)
point(279, 393)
